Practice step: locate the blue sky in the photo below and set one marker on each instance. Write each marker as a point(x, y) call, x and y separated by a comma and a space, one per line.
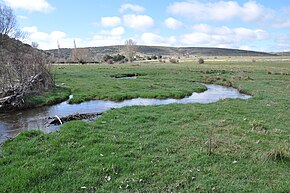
point(262, 25)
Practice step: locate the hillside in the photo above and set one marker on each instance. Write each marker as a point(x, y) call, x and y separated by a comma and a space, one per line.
point(23, 73)
point(97, 52)
point(12, 50)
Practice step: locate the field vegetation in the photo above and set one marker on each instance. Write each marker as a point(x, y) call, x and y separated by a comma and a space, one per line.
point(232, 145)
point(24, 70)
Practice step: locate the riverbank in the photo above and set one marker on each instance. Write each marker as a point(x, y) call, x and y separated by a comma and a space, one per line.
point(53, 96)
point(229, 146)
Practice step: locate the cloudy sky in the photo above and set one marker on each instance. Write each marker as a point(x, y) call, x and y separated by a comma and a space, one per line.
point(262, 25)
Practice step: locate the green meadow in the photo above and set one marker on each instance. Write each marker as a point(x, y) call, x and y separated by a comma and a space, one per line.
point(233, 145)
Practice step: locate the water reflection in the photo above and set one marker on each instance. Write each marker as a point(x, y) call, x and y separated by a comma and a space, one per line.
point(13, 123)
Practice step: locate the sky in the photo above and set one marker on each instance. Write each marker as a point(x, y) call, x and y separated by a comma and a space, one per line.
point(261, 25)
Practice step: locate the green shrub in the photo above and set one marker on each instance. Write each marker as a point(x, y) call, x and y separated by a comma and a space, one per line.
point(201, 61)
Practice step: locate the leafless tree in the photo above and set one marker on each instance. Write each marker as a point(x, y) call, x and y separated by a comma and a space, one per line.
point(130, 49)
point(34, 45)
point(80, 55)
point(8, 24)
point(8, 29)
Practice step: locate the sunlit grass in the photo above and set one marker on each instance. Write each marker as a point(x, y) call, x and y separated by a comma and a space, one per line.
point(162, 148)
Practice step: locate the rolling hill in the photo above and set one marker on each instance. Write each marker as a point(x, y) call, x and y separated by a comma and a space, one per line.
point(98, 52)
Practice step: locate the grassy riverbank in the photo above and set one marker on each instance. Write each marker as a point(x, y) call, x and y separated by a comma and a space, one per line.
point(162, 148)
point(54, 96)
point(155, 81)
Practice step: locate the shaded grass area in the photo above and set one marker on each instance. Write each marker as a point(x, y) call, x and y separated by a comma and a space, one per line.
point(162, 148)
point(54, 96)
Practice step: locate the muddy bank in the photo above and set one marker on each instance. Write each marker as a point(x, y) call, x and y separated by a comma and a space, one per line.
point(61, 120)
point(133, 75)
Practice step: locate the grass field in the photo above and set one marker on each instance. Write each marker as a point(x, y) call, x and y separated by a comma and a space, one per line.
point(229, 146)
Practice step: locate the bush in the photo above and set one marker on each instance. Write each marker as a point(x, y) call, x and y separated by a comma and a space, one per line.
point(118, 57)
point(110, 61)
point(173, 60)
point(201, 61)
point(125, 60)
point(107, 57)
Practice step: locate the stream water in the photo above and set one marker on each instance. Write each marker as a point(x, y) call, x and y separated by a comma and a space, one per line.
point(15, 122)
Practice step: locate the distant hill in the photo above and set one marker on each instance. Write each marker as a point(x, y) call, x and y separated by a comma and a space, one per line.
point(98, 52)
point(197, 51)
point(282, 53)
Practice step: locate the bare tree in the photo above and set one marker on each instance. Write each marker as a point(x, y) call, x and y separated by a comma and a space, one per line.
point(80, 55)
point(8, 29)
point(8, 24)
point(34, 44)
point(130, 49)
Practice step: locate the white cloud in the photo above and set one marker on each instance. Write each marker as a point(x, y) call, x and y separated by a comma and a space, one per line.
point(31, 29)
point(39, 36)
point(173, 23)
point(102, 40)
point(132, 7)
point(245, 47)
point(57, 35)
point(281, 19)
point(107, 38)
point(49, 40)
point(22, 17)
point(238, 33)
point(204, 28)
point(220, 10)
point(138, 22)
point(282, 24)
point(244, 33)
point(156, 40)
point(30, 5)
point(205, 35)
point(118, 31)
point(110, 21)
point(282, 42)
point(34, 34)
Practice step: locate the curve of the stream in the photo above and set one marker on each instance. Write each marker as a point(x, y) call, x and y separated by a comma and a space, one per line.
point(15, 122)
